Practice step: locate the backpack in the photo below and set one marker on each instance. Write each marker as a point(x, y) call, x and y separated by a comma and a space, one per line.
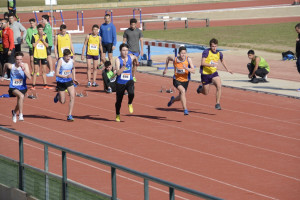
point(288, 55)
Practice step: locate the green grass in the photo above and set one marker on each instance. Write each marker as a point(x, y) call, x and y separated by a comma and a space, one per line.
point(268, 37)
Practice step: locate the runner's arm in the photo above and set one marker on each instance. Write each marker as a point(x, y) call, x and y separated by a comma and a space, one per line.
point(74, 73)
point(169, 58)
point(119, 71)
point(58, 69)
point(224, 65)
point(84, 46)
point(25, 68)
point(192, 67)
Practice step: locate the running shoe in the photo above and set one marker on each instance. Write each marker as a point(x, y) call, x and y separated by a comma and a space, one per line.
point(70, 118)
point(254, 80)
point(46, 87)
point(14, 116)
point(95, 84)
point(265, 79)
point(89, 84)
point(56, 98)
point(199, 89)
point(118, 118)
point(218, 106)
point(109, 90)
point(130, 108)
point(21, 117)
point(134, 79)
point(50, 74)
point(186, 112)
point(171, 101)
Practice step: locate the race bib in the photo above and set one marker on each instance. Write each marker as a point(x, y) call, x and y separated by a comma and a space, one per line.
point(180, 71)
point(125, 76)
point(212, 62)
point(66, 72)
point(63, 48)
point(17, 82)
point(93, 47)
point(40, 46)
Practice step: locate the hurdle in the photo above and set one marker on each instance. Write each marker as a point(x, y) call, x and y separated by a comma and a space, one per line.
point(111, 14)
point(133, 14)
point(78, 27)
point(175, 46)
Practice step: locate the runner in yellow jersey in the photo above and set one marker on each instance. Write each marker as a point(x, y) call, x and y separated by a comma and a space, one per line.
point(94, 44)
point(63, 41)
point(208, 70)
point(40, 44)
point(183, 67)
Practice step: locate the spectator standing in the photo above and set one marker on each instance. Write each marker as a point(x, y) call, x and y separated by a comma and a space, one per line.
point(30, 32)
point(134, 38)
point(8, 44)
point(48, 32)
point(109, 37)
point(17, 28)
point(12, 8)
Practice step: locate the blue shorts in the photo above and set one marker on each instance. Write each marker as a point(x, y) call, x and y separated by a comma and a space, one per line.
point(207, 78)
point(92, 57)
point(134, 53)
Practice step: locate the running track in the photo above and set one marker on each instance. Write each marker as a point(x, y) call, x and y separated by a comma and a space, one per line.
point(249, 150)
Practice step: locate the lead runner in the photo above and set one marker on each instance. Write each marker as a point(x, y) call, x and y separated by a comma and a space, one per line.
point(124, 80)
point(17, 87)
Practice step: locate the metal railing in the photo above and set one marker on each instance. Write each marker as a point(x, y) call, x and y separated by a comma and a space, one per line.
point(64, 151)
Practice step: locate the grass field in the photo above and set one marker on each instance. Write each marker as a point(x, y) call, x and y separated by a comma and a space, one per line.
point(268, 37)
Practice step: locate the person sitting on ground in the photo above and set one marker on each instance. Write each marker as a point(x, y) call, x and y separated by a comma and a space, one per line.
point(109, 77)
point(257, 67)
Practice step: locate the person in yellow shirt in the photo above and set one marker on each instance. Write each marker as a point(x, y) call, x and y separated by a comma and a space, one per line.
point(63, 41)
point(208, 70)
point(94, 44)
point(40, 44)
point(183, 67)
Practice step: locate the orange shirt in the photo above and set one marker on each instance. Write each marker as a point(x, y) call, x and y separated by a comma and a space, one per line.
point(181, 74)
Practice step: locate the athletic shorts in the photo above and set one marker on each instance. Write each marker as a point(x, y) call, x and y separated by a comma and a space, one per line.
point(134, 53)
point(62, 86)
point(107, 47)
point(184, 84)
point(12, 89)
point(9, 59)
point(207, 78)
point(49, 50)
point(92, 57)
point(36, 61)
point(30, 52)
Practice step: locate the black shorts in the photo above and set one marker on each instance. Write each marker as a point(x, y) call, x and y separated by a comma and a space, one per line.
point(9, 59)
point(107, 47)
point(36, 61)
point(63, 86)
point(49, 50)
point(12, 89)
point(184, 84)
point(2, 59)
point(31, 52)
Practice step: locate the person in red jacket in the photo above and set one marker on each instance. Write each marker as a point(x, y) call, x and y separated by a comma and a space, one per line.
point(8, 44)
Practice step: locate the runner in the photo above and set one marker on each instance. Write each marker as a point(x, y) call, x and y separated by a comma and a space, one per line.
point(17, 87)
point(183, 66)
point(208, 70)
point(30, 32)
point(93, 43)
point(40, 43)
point(124, 79)
point(62, 41)
point(65, 75)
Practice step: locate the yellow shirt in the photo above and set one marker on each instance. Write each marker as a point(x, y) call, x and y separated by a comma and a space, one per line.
point(40, 50)
point(93, 45)
point(210, 59)
point(63, 42)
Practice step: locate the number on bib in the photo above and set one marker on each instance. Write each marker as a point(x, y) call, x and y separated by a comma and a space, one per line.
point(66, 72)
point(40, 46)
point(180, 71)
point(93, 46)
point(125, 76)
point(17, 82)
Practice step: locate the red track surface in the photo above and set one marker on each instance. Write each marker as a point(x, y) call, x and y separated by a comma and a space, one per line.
point(248, 150)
